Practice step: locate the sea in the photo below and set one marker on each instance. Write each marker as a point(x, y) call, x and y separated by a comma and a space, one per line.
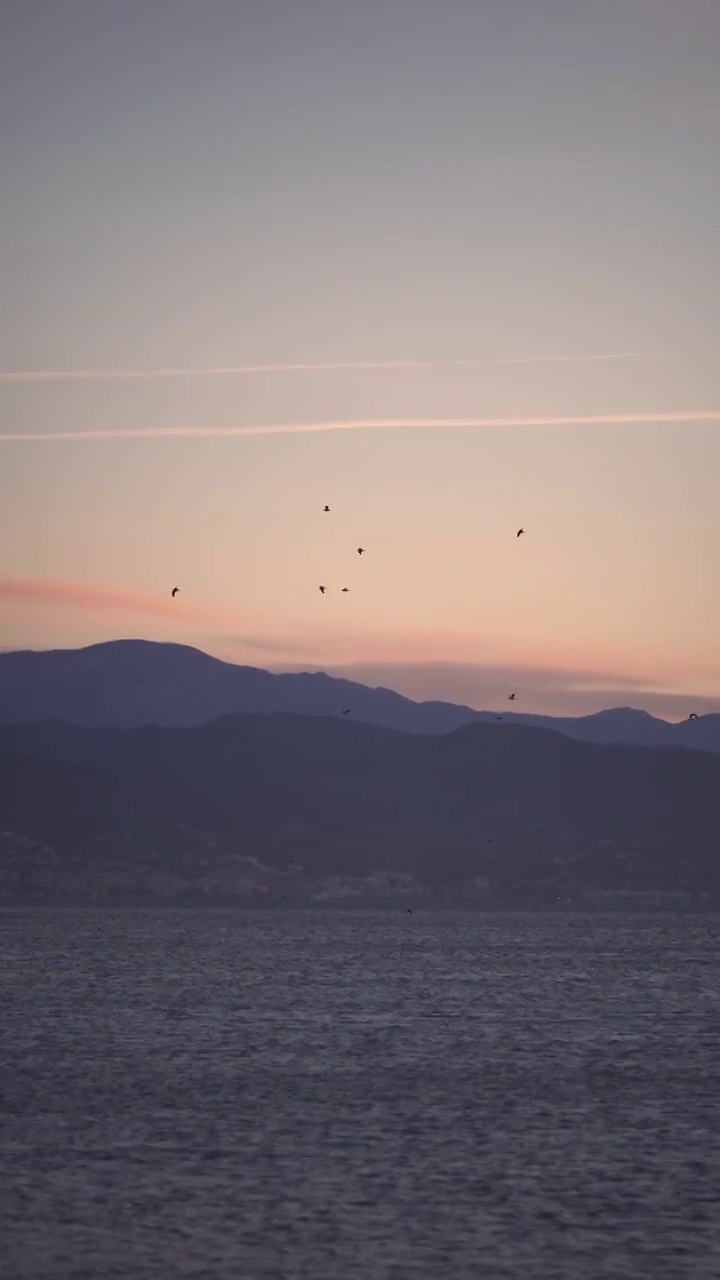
point(358, 1095)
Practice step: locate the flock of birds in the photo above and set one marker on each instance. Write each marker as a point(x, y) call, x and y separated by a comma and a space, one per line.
point(361, 552)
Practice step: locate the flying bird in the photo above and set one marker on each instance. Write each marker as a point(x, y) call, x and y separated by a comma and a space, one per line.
point(174, 592)
point(517, 535)
point(498, 717)
point(692, 716)
point(360, 550)
point(326, 508)
point(346, 588)
point(347, 711)
point(511, 697)
point(322, 590)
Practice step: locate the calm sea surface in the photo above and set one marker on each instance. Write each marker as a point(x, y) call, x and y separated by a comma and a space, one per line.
point(331, 1095)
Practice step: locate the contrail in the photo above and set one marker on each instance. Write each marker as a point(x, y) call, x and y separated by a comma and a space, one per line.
point(364, 424)
point(121, 375)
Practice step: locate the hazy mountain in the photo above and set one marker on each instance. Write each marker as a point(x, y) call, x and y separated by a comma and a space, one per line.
point(134, 682)
point(512, 814)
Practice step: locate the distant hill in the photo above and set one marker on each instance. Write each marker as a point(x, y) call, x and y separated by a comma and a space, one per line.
point(127, 683)
point(290, 807)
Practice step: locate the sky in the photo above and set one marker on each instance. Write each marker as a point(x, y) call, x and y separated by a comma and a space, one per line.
point(449, 268)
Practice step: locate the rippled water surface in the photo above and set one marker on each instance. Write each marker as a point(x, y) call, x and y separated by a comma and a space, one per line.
point(332, 1095)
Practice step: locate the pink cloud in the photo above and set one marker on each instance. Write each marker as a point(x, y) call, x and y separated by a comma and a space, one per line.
point(98, 598)
point(112, 602)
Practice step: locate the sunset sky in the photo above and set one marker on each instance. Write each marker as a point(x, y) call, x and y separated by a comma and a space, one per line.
point(497, 222)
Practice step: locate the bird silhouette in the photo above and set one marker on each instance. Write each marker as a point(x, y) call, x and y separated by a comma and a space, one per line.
point(347, 711)
point(360, 550)
point(498, 717)
point(517, 535)
point(346, 588)
point(174, 592)
point(511, 697)
point(326, 508)
point(321, 590)
point(692, 716)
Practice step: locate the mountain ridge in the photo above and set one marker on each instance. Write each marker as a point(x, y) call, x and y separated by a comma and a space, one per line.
point(124, 683)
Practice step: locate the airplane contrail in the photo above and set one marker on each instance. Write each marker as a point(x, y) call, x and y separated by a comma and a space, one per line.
point(362, 424)
point(119, 375)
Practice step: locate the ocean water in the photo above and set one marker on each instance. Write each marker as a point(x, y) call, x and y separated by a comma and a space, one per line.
point(331, 1095)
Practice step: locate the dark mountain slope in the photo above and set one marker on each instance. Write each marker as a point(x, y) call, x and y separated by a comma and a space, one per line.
point(73, 807)
point(527, 809)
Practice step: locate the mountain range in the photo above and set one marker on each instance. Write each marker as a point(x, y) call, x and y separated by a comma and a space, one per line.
point(135, 771)
point(295, 808)
point(126, 683)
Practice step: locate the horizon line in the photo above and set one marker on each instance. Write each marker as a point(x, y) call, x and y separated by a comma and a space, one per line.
point(8, 376)
point(624, 686)
point(366, 424)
